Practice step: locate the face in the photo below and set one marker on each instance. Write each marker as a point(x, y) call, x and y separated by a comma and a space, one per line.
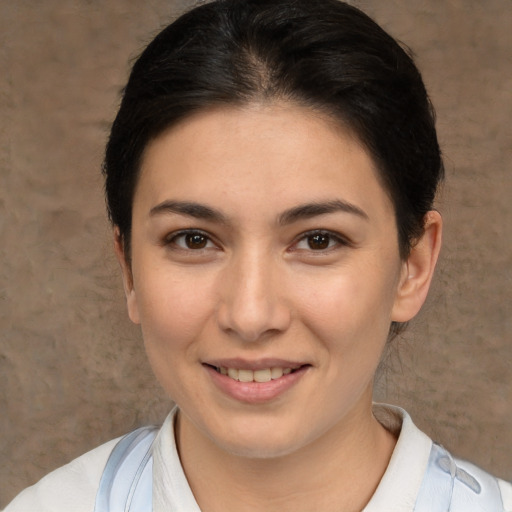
point(265, 273)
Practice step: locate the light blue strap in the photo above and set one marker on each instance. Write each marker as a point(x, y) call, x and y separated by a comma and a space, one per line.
point(126, 483)
point(452, 485)
point(437, 487)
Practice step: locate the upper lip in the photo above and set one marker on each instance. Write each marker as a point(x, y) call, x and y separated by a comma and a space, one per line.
point(259, 364)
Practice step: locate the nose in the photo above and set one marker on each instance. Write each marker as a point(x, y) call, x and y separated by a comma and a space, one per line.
point(253, 305)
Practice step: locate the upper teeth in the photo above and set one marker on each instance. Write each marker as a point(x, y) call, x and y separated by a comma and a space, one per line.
point(265, 375)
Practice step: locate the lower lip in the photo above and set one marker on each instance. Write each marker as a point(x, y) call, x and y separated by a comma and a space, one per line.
point(255, 392)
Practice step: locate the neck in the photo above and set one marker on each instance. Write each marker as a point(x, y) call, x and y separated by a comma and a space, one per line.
point(339, 471)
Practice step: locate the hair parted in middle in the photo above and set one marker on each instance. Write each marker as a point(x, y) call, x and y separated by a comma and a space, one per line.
point(324, 55)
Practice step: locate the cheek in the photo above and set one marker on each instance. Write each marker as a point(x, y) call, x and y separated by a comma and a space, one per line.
point(174, 313)
point(349, 310)
point(174, 308)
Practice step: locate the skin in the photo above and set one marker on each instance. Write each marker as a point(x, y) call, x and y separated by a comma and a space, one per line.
point(251, 286)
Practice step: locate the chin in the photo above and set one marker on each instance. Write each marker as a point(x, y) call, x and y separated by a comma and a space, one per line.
point(269, 443)
point(260, 450)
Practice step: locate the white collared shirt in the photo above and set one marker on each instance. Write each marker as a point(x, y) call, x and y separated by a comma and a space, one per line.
point(73, 487)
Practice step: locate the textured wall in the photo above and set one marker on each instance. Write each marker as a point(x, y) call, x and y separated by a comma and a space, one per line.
point(72, 370)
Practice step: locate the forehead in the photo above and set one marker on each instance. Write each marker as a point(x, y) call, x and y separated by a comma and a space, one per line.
point(278, 155)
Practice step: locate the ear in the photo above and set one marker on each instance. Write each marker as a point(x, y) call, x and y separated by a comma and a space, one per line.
point(418, 269)
point(126, 271)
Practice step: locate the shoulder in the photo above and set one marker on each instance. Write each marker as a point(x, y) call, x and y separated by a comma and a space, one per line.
point(71, 488)
point(474, 486)
point(424, 477)
point(459, 486)
point(506, 494)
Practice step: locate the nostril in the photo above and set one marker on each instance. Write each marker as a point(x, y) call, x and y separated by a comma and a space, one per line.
point(253, 320)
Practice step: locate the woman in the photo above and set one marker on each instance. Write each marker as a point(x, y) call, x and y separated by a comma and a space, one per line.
point(270, 177)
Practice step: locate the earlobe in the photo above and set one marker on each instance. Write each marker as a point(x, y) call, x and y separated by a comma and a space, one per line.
point(418, 270)
point(126, 271)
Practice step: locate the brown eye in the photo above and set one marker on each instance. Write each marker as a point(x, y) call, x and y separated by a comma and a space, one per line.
point(195, 241)
point(190, 240)
point(319, 241)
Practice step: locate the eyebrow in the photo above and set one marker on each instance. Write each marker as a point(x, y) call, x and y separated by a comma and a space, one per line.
point(310, 210)
point(190, 209)
point(304, 211)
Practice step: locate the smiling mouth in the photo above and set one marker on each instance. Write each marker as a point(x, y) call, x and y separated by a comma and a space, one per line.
point(263, 375)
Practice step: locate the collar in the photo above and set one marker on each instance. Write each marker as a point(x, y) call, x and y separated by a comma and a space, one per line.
point(170, 486)
point(399, 487)
point(396, 492)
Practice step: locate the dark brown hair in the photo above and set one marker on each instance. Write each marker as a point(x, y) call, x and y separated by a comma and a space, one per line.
point(323, 54)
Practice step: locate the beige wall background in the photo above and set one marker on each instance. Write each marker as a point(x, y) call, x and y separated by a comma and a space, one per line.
point(72, 370)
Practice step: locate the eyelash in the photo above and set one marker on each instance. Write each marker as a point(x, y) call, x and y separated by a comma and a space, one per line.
point(171, 240)
point(334, 240)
